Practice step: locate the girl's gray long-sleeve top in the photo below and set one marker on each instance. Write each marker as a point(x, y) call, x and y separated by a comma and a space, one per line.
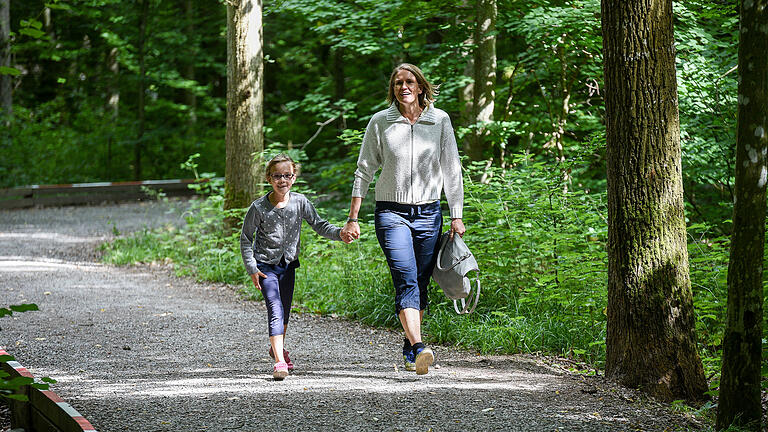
point(417, 161)
point(270, 233)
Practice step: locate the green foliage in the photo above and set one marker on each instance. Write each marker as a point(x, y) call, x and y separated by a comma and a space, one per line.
point(17, 308)
point(9, 386)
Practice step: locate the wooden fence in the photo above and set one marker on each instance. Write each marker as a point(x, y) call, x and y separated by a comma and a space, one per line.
point(90, 193)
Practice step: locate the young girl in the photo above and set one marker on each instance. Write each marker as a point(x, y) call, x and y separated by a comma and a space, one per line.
point(269, 245)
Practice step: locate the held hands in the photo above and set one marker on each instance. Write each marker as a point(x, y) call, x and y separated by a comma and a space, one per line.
point(350, 232)
point(457, 226)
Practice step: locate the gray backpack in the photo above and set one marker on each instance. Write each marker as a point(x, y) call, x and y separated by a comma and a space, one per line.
point(454, 263)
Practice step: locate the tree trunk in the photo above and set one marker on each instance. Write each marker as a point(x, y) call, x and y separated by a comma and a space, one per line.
point(484, 75)
point(740, 381)
point(113, 104)
point(651, 341)
point(6, 99)
point(139, 145)
point(245, 112)
point(190, 98)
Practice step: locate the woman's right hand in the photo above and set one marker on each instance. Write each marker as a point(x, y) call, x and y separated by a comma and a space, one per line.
point(351, 230)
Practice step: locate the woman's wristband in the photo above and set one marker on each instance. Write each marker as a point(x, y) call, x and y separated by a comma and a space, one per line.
point(351, 219)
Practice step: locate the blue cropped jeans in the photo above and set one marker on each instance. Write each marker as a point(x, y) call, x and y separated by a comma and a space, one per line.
point(409, 236)
point(277, 289)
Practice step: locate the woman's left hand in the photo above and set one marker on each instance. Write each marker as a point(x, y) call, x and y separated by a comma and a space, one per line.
point(457, 226)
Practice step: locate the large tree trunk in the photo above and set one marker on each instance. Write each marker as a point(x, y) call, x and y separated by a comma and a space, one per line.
point(740, 381)
point(139, 145)
point(245, 112)
point(483, 92)
point(6, 100)
point(651, 341)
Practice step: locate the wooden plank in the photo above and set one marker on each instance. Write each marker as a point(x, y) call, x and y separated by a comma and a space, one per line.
point(91, 193)
point(61, 415)
point(17, 203)
point(16, 192)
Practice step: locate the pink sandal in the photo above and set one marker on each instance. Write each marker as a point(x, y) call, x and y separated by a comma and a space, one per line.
point(285, 356)
point(280, 371)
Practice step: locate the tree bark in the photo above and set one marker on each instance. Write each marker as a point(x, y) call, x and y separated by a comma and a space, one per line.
point(6, 98)
point(245, 115)
point(139, 145)
point(113, 104)
point(190, 98)
point(483, 92)
point(651, 341)
point(740, 401)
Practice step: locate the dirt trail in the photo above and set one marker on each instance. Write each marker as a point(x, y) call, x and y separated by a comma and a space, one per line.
point(137, 349)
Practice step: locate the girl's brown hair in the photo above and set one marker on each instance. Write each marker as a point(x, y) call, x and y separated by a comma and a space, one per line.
point(428, 91)
point(282, 157)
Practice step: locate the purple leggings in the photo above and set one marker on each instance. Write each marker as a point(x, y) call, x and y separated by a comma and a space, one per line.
point(277, 289)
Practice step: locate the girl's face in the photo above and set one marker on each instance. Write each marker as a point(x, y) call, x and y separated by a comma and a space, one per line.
point(407, 89)
point(282, 177)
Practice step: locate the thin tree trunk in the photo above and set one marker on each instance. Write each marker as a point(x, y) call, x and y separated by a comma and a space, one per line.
point(190, 98)
point(651, 341)
point(245, 115)
point(139, 145)
point(484, 74)
point(113, 103)
point(740, 401)
point(6, 98)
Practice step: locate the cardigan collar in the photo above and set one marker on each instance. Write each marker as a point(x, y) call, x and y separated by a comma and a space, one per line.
point(427, 116)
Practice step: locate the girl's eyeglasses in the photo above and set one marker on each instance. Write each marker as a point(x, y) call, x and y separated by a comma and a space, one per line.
point(281, 176)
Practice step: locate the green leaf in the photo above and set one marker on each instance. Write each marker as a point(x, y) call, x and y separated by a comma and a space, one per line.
point(31, 32)
point(18, 397)
point(26, 307)
point(5, 70)
point(59, 6)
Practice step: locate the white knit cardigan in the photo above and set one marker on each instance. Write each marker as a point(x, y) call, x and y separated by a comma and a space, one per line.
point(417, 161)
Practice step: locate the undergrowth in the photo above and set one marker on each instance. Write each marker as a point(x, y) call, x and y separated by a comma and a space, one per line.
point(540, 242)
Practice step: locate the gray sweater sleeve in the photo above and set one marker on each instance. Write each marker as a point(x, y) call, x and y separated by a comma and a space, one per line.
point(450, 164)
point(369, 160)
point(320, 225)
point(250, 224)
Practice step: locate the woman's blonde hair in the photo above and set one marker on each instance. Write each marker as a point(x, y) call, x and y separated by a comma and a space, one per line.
point(428, 91)
point(282, 157)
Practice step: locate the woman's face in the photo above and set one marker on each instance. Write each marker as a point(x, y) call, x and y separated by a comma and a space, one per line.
point(407, 89)
point(282, 177)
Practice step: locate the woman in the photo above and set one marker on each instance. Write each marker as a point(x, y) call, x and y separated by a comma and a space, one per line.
point(414, 145)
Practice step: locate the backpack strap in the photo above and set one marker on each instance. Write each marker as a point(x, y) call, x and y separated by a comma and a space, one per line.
point(467, 307)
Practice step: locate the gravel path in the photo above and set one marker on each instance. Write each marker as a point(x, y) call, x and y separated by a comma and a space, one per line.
point(137, 349)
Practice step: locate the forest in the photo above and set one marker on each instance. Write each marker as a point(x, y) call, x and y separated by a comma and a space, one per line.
point(108, 90)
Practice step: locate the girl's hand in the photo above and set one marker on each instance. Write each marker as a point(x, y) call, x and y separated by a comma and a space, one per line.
point(351, 230)
point(457, 226)
point(346, 237)
point(255, 278)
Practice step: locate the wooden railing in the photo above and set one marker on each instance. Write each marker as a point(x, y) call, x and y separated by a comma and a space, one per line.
point(90, 193)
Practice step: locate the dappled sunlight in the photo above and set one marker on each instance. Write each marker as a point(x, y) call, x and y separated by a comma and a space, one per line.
point(360, 379)
point(50, 236)
point(32, 264)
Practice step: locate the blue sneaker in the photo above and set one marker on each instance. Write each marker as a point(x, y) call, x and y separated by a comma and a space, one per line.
point(410, 360)
point(424, 358)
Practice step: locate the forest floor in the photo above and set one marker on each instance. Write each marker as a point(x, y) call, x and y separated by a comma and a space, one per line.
point(138, 348)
